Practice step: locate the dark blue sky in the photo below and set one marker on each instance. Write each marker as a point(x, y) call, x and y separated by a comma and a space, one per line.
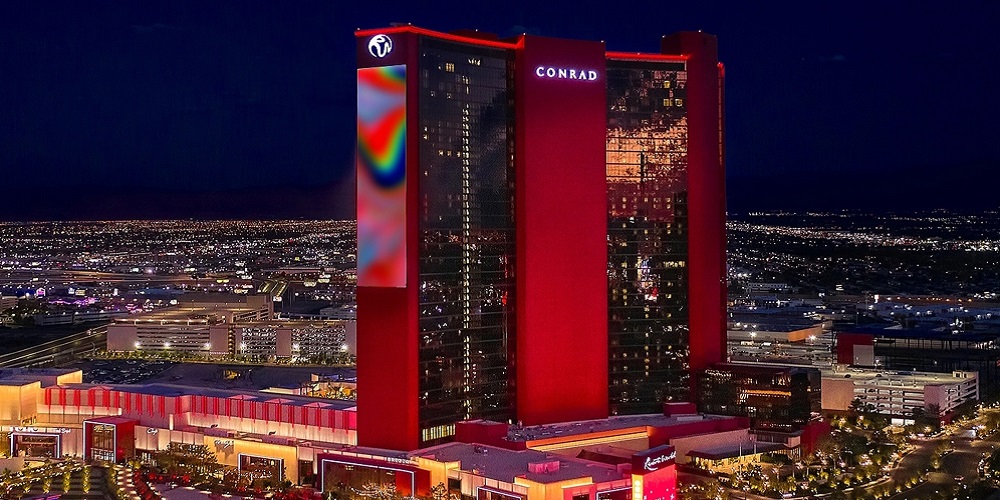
point(200, 108)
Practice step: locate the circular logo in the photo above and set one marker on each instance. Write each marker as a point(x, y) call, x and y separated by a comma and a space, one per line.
point(380, 46)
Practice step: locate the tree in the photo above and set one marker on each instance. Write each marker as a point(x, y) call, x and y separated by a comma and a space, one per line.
point(925, 419)
point(439, 492)
point(379, 491)
point(196, 461)
point(865, 415)
point(715, 490)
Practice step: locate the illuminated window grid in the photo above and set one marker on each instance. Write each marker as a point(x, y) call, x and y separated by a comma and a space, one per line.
point(647, 241)
point(466, 234)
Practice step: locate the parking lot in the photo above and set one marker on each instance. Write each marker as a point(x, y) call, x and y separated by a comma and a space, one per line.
point(121, 371)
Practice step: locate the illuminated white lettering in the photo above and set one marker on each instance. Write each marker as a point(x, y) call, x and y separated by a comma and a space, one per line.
point(565, 73)
point(40, 430)
point(653, 463)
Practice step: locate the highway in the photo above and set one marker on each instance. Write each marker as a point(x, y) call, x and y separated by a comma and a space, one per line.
point(67, 277)
point(59, 351)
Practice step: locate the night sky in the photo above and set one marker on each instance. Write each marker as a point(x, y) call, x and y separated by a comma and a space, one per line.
point(132, 109)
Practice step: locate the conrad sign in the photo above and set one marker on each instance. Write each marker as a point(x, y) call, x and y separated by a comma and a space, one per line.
point(557, 73)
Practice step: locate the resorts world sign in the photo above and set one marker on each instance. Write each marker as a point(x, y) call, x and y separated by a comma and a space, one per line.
point(653, 459)
point(652, 464)
point(565, 73)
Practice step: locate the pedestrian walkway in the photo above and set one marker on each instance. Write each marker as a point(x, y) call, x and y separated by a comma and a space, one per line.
point(123, 476)
point(179, 493)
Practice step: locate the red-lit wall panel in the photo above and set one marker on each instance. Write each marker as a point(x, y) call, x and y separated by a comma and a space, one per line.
point(561, 219)
point(387, 315)
point(846, 343)
point(706, 198)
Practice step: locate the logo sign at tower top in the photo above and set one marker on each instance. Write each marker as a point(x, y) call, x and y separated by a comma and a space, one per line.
point(380, 46)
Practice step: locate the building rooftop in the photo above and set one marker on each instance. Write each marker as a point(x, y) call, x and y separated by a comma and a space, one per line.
point(897, 378)
point(761, 368)
point(733, 451)
point(47, 376)
point(894, 331)
point(608, 424)
point(170, 390)
point(16, 382)
point(189, 314)
point(195, 298)
point(113, 420)
point(504, 465)
point(772, 326)
point(38, 372)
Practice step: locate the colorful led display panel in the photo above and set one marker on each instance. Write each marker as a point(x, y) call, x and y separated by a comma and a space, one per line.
point(381, 165)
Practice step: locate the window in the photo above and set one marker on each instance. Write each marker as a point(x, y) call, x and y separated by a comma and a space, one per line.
point(438, 432)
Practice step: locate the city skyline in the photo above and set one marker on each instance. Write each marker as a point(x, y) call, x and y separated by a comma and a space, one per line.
point(154, 111)
point(499, 251)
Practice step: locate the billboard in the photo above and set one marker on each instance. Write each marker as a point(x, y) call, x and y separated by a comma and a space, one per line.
point(381, 167)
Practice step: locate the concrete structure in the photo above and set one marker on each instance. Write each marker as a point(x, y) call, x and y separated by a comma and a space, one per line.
point(7, 303)
point(923, 350)
point(296, 340)
point(231, 326)
point(757, 287)
point(345, 312)
point(72, 318)
point(898, 393)
point(49, 413)
point(773, 332)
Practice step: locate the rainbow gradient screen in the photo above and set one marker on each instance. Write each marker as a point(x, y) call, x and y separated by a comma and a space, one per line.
point(381, 165)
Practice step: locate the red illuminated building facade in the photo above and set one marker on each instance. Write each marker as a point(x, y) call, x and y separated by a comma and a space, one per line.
point(49, 413)
point(540, 229)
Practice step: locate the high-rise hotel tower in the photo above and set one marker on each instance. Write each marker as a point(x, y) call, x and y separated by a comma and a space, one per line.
point(540, 229)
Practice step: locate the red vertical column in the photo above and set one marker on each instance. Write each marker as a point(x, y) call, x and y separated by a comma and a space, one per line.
point(706, 197)
point(561, 220)
point(387, 415)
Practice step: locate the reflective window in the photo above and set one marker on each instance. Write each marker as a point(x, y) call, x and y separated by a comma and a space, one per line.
point(466, 246)
point(647, 235)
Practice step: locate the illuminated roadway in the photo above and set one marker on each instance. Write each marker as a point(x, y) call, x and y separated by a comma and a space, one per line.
point(72, 276)
point(66, 349)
